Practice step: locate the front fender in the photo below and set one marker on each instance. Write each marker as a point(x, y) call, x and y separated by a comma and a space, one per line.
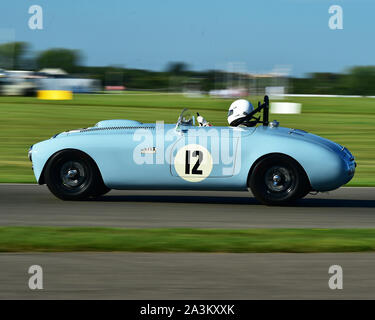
point(44, 150)
point(325, 168)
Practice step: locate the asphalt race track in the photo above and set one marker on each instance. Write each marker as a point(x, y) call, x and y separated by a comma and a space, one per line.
point(35, 205)
point(186, 275)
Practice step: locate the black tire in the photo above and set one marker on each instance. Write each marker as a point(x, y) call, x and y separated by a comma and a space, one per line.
point(72, 175)
point(278, 180)
point(100, 190)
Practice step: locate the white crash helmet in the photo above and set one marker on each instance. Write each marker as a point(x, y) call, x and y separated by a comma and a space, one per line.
point(239, 109)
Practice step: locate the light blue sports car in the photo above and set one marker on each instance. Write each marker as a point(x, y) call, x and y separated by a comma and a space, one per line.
point(278, 164)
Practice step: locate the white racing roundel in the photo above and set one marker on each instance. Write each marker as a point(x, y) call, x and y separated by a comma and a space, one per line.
point(193, 163)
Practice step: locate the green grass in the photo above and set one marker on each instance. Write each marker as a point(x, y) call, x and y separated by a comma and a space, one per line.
point(59, 239)
point(24, 121)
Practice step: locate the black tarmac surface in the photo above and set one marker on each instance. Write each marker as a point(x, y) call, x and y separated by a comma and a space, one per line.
point(186, 275)
point(35, 205)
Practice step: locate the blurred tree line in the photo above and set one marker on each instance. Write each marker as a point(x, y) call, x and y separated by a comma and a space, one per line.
point(359, 80)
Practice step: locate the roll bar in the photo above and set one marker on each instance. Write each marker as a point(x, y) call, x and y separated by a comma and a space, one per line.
point(265, 107)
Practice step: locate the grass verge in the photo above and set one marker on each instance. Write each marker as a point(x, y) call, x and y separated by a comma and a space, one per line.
point(60, 239)
point(27, 120)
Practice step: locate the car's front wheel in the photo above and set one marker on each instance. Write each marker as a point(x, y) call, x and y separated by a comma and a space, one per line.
point(72, 175)
point(277, 180)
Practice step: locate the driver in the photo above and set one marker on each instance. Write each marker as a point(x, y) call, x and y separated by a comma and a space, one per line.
point(238, 110)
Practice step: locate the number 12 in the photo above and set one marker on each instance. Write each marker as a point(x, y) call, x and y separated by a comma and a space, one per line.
point(195, 154)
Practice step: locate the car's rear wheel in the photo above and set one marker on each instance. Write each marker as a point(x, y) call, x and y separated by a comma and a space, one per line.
point(72, 175)
point(277, 180)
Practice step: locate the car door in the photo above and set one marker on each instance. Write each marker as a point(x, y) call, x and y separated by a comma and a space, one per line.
point(205, 152)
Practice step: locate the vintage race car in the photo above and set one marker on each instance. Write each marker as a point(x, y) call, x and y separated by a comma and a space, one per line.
point(278, 164)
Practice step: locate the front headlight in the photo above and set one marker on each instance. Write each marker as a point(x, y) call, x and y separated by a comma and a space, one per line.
point(29, 154)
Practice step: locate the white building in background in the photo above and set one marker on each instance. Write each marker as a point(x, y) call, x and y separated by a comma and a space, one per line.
point(25, 83)
point(58, 79)
point(17, 83)
point(53, 71)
